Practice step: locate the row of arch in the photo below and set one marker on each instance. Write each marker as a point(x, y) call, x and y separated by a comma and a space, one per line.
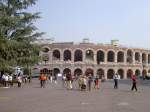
point(100, 56)
point(100, 72)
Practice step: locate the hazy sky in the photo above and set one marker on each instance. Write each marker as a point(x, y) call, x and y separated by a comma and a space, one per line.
point(100, 20)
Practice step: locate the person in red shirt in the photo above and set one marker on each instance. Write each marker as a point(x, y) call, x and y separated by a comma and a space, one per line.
point(134, 82)
point(42, 79)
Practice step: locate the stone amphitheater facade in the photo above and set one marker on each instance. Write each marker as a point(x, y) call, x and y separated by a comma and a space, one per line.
point(96, 59)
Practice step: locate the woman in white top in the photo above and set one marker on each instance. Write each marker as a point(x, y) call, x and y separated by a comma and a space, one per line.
point(19, 80)
point(10, 79)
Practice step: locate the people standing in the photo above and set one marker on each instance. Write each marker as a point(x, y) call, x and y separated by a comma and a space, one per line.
point(116, 77)
point(6, 80)
point(42, 79)
point(134, 82)
point(63, 80)
point(84, 83)
point(19, 80)
point(3, 80)
point(96, 82)
point(10, 79)
point(69, 80)
point(55, 78)
point(80, 82)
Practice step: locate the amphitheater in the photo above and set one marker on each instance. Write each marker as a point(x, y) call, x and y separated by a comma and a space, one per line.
point(96, 59)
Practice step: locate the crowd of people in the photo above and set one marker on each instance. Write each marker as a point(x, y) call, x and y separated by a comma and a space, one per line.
point(9, 80)
point(85, 82)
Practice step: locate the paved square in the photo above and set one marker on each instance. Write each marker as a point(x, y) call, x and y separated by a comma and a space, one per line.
point(55, 98)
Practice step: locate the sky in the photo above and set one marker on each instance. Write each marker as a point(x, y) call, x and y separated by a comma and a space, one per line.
point(99, 20)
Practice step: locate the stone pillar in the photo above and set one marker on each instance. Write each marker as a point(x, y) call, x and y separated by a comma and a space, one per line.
point(50, 56)
point(84, 57)
point(105, 58)
point(115, 57)
point(125, 74)
point(115, 70)
point(105, 73)
point(61, 70)
point(94, 71)
point(125, 58)
point(146, 58)
point(72, 56)
point(141, 58)
point(95, 58)
point(72, 70)
point(61, 56)
point(83, 70)
point(133, 58)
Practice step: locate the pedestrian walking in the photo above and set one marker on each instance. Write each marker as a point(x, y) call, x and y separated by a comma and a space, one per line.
point(69, 80)
point(6, 80)
point(19, 80)
point(63, 80)
point(10, 79)
point(134, 82)
point(3, 80)
point(55, 78)
point(116, 77)
point(83, 83)
point(42, 79)
point(96, 82)
point(80, 82)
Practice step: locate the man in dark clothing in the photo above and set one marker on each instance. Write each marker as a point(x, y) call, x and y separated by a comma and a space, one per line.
point(116, 77)
point(134, 82)
point(69, 80)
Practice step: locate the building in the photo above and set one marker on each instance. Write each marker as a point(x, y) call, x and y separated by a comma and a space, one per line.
point(96, 59)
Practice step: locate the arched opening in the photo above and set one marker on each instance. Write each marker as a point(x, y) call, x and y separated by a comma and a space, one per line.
point(110, 56)
point(110, 74)
point(129, 73)
point(77, 72)
point(148, 58)
point(121, 73)
point(78, 56)
point(56, 71)
point(137, 72)
point(100, 73)
point(129, 56)
point(100, 56)
point(66, 71)
point(45, 50)
point(56, 55)
point(144, 73)
point(89, 72)
point(67, 55)
point(143, 58)
point(120, 57)
point(89, 55)
point(137, 57)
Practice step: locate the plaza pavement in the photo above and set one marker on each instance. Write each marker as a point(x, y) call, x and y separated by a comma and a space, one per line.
point(55, 98)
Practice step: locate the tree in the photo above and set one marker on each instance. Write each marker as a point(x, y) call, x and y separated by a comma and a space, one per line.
point(17, 34)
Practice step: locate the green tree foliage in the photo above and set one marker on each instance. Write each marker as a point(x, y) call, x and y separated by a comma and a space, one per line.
point(17, 34)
